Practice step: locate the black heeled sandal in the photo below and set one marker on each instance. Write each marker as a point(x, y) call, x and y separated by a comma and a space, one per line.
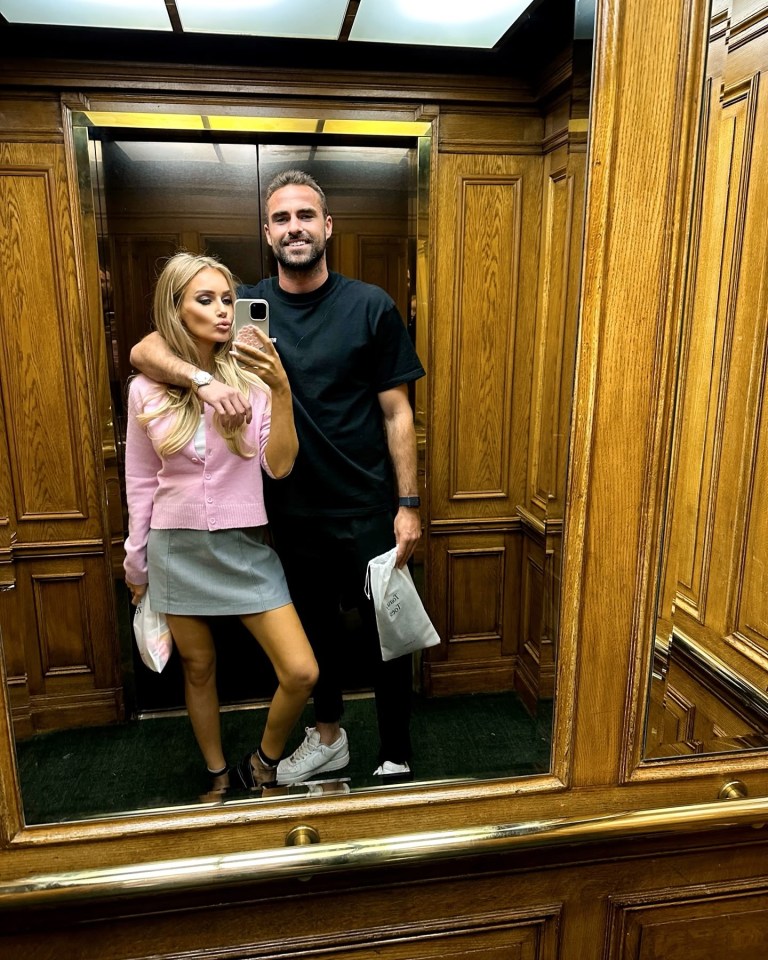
point(254, 773)
point(218, 785)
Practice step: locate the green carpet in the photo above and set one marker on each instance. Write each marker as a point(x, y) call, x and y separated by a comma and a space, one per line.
point(144, 764)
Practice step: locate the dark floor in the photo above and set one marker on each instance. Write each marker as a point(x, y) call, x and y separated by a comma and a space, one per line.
point(150, 763)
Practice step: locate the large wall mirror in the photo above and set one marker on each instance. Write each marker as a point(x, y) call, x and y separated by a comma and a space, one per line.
point(151, 185)
point(710, 666)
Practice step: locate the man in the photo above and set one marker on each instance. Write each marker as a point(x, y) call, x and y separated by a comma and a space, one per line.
point(352, 494)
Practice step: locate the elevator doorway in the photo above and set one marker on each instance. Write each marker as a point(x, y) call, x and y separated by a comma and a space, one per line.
point(156, 192)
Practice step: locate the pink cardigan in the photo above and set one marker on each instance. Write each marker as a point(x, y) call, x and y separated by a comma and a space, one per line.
point(184, 491)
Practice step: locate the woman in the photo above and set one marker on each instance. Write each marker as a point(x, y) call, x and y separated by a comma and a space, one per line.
point(197, 517)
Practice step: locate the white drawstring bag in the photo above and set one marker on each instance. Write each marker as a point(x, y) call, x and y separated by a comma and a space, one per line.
point(153, 635)
point(403, 623)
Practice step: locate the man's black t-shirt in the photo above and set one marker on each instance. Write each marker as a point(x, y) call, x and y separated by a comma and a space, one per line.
point(341, 346)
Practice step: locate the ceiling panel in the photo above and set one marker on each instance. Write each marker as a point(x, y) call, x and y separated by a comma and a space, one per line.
point(133, 15)
point(298, 19)
point(453, 23)
point(470, 24)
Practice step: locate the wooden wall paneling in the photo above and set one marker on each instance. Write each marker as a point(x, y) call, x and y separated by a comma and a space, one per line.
point(384, 261)
point(708, 377)
point(515, 129)
point(551, 351)
point(344, 252)
point(706, 712)
point(477, 616)
point(135, 263)
point(556, 326)
point(486, 247)
point(11, 812)
point(628, 335)
point(11, 634)
point(741, 609)
point(44, 426)
point(751, 613)
point(721, 919)
point(44, 387)
point(638, 903)
point(681, 572)
point(678, 720)
point(28, 117)
point(50, 437)
point(7, 514)
point(535, 674)
point(66, 619)
point(486, 213)
point(713, 579)
point(551, 395)
point(450, 919)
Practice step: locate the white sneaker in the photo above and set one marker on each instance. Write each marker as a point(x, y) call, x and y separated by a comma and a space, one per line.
point(388, 769)
point(327, 788)
point(311, 757)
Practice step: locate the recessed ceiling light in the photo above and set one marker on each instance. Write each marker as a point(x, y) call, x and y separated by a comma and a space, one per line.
point(452, 23)
point(297, 19)
point(136, 15)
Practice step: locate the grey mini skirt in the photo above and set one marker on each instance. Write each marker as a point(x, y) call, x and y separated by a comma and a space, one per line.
point(214, 573)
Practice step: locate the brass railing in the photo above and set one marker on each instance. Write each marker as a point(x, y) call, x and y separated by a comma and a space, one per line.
point(312, 858)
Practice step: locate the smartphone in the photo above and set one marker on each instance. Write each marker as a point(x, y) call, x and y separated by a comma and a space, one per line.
point(254, 312)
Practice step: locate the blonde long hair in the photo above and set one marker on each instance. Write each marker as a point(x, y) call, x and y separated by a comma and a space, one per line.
point(183, 403)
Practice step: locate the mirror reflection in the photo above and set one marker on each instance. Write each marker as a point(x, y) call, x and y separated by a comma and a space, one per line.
point(710, 664)
point(155, 191)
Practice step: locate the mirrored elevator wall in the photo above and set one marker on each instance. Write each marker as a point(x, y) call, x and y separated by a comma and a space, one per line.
point(183, 191)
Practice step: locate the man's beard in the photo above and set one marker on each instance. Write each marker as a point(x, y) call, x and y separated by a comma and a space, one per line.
point(309, 258)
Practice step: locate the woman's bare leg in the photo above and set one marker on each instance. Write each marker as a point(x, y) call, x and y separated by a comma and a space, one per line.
point(194, 641)
point(280, 634)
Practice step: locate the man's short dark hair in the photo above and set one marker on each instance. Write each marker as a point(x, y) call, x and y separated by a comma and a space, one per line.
point(297, 178)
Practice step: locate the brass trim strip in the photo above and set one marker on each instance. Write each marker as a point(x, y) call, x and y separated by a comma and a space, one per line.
point(750, 696)
point(168, 876)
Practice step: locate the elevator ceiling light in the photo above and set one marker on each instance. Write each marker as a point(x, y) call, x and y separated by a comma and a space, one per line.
point(242, 124)
point(297, 19)
point(136, 15)
point(451, 23)
point(158, 121)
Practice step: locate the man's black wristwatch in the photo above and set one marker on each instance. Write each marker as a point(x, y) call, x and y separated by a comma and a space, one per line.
point(409, 502)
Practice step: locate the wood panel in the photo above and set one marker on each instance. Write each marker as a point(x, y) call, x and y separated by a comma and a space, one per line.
point(639, 904)
point(384, 261)
point(478, 573)
point(715, 587)
point(43, 427)
point(485, 211)
point(7, 517)
point(136, 262)
point(717, 922)
point(486, 226)
point(700, 705)
point(543, 510)
point(556, 325)
point(29, 117)
point(539, 603)
point(59, 624)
